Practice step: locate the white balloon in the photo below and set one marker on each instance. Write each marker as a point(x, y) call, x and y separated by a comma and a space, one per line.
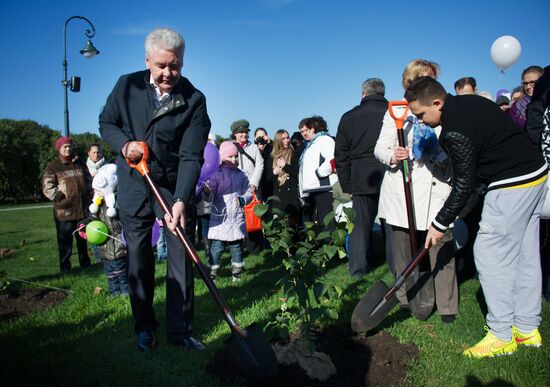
point(505, 51)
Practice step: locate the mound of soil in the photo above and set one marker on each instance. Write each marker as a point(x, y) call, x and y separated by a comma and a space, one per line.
point(378, 360)
point(21, 302)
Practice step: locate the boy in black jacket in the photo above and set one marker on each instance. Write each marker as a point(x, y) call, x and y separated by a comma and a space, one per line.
point(486, 148)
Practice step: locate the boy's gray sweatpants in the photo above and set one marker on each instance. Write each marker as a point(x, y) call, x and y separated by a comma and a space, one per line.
point(507, 258)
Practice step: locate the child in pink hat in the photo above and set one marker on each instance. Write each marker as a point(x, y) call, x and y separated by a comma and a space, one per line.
point(228, 190)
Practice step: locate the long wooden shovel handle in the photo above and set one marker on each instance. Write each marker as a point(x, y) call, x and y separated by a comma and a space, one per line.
point(141, 166)
point(399, 123)
point(406, 273)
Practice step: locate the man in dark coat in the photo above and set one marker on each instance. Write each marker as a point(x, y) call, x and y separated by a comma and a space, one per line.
point(359, 172)
point(163, 109)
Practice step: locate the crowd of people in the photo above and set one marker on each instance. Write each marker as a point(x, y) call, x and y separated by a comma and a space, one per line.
point(463, 157)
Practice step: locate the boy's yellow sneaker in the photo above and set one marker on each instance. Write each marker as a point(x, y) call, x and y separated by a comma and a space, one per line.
point(491, 346)
point(530, 339)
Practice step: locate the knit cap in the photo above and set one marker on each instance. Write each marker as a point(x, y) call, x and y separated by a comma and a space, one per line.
point(227, 149)
point(62, 141)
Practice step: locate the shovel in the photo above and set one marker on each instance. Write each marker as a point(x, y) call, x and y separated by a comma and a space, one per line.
point(249, 347)
point(380, 300)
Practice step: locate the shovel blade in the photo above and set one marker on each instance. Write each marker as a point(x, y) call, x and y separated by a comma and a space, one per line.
point(253, 353)
point(372, 308)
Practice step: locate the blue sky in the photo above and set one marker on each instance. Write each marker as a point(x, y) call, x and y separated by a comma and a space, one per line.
point(272, 62)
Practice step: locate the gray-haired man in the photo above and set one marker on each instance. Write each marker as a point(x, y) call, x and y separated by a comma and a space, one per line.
point(359, 172)
point(163, 109)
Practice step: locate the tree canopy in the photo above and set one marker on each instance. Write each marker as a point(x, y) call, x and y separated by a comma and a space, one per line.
point(25, 148)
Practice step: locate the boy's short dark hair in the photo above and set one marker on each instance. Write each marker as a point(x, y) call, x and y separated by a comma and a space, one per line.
point(425, 90)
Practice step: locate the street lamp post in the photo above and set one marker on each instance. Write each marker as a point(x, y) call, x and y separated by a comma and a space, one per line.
point(88, 51)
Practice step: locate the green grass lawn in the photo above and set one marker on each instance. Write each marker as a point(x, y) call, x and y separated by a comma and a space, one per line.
point(89, 340)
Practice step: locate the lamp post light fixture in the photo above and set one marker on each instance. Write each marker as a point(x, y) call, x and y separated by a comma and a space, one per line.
point(89, 51)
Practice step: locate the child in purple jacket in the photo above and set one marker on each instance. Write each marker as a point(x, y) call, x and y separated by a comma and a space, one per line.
point(228, 190)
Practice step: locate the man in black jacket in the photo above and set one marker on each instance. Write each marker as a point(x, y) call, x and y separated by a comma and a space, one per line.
point(165, 110)
point(359, 172)
point(486, 147)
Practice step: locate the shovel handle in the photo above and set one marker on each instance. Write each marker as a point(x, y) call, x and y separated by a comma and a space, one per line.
point(399, 120)
point(142, 167)
point(406, 273)
point(399, 123)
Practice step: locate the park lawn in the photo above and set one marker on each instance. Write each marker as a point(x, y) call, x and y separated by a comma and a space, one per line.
point(89, 340)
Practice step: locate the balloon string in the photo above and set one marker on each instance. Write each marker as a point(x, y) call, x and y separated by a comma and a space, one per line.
point(99, 231)
point(501, 75)
point(79, 229)
point(39, 284)
point(112, 237)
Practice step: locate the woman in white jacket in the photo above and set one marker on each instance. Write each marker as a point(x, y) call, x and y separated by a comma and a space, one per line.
point(316, 176)
point(430, 189)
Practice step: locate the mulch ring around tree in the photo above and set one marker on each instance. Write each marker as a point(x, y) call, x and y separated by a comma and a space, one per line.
point(379, 360)
point(21, 302)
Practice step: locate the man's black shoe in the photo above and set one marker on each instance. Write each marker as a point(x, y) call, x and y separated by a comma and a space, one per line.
point(187, 341)
point(145, 340)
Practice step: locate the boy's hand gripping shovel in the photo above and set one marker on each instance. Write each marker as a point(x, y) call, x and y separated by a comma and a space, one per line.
point(249, 346)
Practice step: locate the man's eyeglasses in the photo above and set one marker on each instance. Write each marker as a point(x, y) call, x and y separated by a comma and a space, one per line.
point(528, 83)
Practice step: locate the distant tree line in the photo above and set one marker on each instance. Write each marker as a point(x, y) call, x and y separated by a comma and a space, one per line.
point(25, 149)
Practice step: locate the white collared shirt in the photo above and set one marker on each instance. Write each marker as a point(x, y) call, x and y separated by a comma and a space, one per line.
point(160, 97)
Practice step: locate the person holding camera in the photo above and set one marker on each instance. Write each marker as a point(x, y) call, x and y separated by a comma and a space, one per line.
point(265, 146)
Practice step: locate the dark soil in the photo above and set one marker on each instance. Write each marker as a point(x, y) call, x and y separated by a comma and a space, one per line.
point(378, 360)
point(21, 302)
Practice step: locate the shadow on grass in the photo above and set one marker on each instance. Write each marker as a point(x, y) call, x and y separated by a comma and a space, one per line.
point(481, 301)
point(472, 381)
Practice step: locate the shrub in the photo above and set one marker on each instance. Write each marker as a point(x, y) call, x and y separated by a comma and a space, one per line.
point(305, 253)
